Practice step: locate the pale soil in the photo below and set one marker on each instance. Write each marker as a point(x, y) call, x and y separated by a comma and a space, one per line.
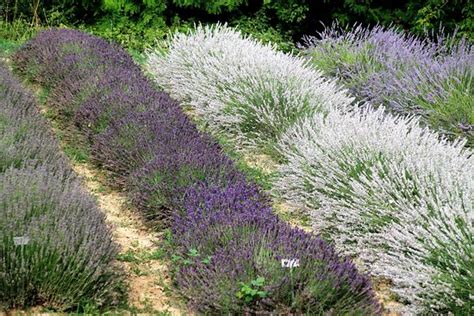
point(149, 281)
point(383, 293)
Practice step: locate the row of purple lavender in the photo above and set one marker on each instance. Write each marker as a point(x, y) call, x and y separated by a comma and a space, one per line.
point(56, 249)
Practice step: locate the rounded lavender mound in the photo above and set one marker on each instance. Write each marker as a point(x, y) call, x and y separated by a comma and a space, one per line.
point(55, 246)
point(238, 256)
point(56, 249)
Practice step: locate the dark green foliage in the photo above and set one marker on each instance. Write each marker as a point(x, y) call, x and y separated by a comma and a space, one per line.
point(417, 16)
point(136, 24)
point(49, 11)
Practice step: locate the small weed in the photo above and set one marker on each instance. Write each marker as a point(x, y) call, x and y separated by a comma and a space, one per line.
point(8, 47)
point(137, 271)
point(128, 256)
point(76, 153)
point(156, 254)
point(253, 291)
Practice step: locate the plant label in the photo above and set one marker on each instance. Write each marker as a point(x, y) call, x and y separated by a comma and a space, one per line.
point(290, 263)
point(21, 241)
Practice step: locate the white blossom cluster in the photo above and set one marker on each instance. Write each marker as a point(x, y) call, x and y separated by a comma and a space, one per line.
point(390, 192)
point(248, 90)
point(380, 187)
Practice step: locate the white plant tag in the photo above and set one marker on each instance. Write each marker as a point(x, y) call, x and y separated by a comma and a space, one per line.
point(21, 241)
point(290, 263)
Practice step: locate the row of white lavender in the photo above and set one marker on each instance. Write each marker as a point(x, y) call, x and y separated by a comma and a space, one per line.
point(382, 188)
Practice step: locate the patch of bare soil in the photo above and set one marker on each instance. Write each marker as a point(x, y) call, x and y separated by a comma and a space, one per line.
point(146, 270)
point(385, 296)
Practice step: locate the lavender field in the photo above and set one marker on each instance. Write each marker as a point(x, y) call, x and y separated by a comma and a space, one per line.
point(334, 180)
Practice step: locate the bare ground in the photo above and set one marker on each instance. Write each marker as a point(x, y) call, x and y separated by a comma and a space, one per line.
point(147, 273)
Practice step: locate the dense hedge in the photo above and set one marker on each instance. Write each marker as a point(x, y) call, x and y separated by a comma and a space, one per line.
point(223, 229)
point(396, 195)
point(67, 258)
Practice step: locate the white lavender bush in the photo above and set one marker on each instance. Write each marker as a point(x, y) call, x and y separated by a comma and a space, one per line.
point(240, 86)
point(390, 192)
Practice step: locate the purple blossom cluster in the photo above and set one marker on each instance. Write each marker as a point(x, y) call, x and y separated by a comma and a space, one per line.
point(24, 136)
point(229, 237)
point(55, 247)
point(224, 232)
point(409, 75)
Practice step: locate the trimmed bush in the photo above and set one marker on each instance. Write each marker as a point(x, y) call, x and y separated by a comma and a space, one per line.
point(56, 249)
point(240, 86)
point(404, 73)
point(133, 140)
point(388, 191)
point(160, 158)
point(161, 183)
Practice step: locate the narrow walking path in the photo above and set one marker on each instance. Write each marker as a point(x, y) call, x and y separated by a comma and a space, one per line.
point(141, 254)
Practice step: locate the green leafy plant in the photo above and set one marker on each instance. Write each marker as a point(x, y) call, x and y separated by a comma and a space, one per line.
point(249, 292)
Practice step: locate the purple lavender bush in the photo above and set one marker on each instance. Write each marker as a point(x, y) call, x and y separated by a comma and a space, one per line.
point(160, 185)
point(132, 139)
point(406, 74)
point(56, 249)
point(24, 136)
point(71, 68)
point(68, 253)
point(227, 241)
point(232, 245)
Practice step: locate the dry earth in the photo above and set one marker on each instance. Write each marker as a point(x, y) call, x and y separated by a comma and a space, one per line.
point(141, 255)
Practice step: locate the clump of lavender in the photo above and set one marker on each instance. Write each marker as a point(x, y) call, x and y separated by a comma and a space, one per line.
point(390, 192)
point(24, 136)
point(73, 68)
point(404, 73)
point(229, 240)
point(176, 174)
point(68, 252)
point(240, 86)
point(55, 247)
point(159, 186)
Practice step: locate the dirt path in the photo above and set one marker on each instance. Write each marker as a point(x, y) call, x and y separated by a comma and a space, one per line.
point(141, 254)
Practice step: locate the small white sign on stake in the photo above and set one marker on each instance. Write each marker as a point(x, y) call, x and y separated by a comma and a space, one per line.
point(21, 240)
point(290, 263)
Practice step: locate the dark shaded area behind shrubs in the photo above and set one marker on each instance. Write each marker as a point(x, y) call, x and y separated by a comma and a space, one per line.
point(228, 244)
point(138, 23)
point(68, 257)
